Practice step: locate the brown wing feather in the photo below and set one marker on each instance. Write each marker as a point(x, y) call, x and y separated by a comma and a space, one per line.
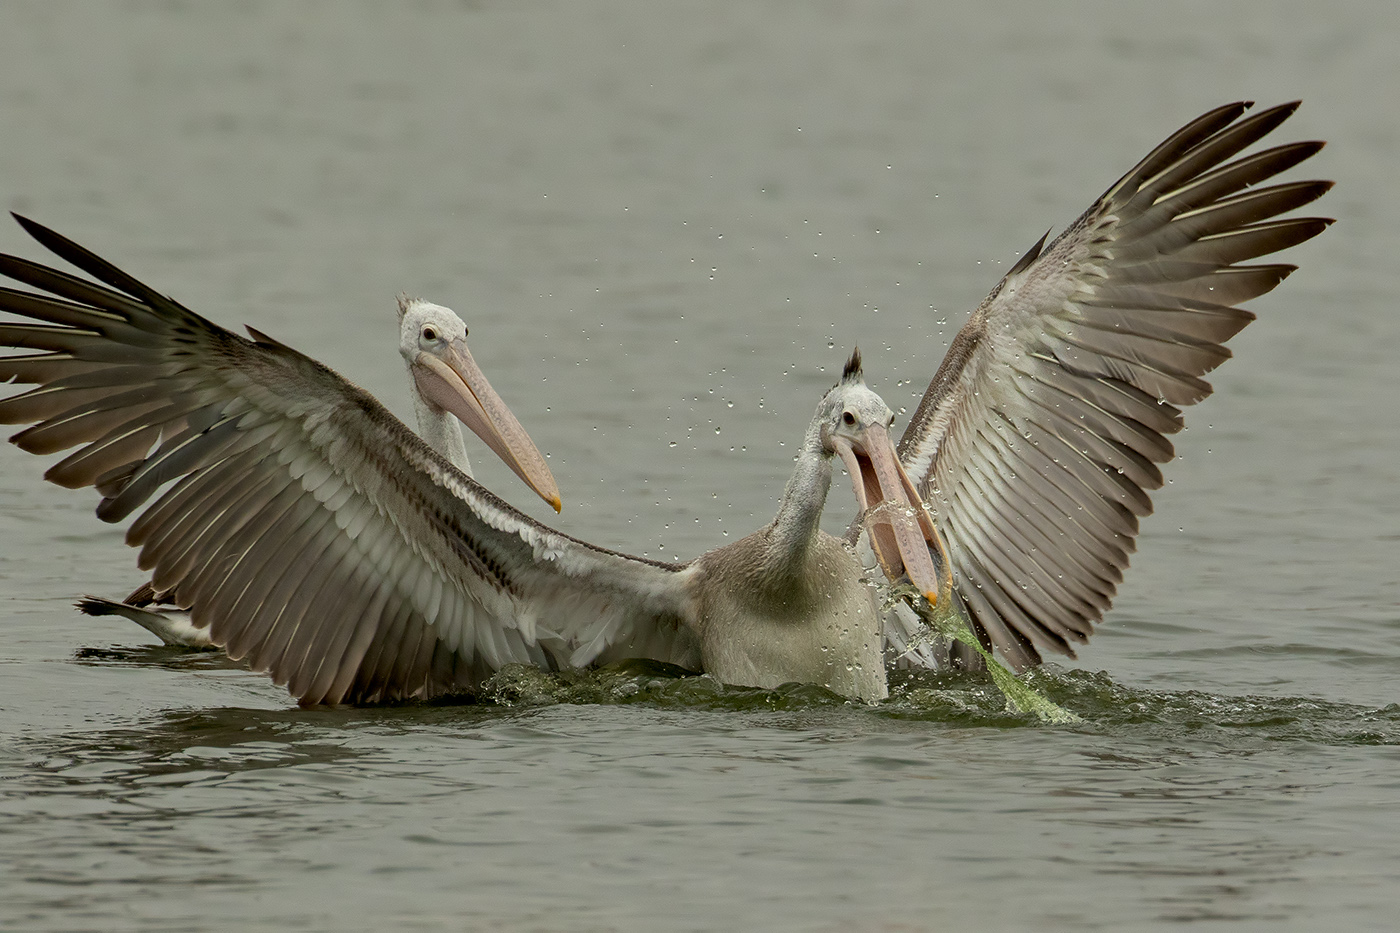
point(311, 532)
point(1042, 433)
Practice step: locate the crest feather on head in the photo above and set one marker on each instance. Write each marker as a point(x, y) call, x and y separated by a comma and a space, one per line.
point(852, 371)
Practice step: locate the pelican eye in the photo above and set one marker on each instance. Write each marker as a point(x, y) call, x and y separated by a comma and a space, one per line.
point(848, 419)
point(429, 333)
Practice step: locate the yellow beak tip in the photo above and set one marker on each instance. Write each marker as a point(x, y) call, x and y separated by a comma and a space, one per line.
point(932, 598)
point(557, 503)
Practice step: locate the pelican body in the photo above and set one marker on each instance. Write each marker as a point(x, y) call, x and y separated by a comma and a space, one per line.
point(790, 602)
point(315, 537)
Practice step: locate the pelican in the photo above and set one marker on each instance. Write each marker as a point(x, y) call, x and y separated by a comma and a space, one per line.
point(448, 390)
point(318, 538)
point(321, 541)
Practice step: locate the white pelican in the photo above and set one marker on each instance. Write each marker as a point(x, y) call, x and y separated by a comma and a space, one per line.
point(448, 390)
point(320, 540)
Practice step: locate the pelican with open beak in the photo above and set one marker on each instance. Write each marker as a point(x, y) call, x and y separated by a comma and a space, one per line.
point(901, 530)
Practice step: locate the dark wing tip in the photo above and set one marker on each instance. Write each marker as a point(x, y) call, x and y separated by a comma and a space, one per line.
point(263, 340)
point(93, 264)
point(852, 371)
point(32, 227)
point(94, 606)
point(1030, 256)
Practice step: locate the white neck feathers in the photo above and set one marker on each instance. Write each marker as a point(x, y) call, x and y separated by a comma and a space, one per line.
point(799, 514)
point(442, 432)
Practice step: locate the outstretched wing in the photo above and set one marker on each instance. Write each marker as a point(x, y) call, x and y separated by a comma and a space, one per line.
point(1040, 436)
point(315, 535)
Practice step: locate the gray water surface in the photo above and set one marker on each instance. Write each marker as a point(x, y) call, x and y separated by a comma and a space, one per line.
point(667, 225)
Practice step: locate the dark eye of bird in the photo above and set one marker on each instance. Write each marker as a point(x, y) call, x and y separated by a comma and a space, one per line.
point(429, 334)
point(848, 418)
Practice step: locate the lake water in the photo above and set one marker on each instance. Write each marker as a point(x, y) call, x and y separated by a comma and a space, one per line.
point(667, 225)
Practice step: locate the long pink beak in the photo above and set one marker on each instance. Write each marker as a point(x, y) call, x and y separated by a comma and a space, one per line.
point(455, 383)
point(901, 530)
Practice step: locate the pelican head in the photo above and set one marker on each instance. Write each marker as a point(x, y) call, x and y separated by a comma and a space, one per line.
point(433, 343)
point(855, 425)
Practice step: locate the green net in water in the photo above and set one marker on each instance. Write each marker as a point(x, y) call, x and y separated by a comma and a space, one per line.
point(943, 619)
